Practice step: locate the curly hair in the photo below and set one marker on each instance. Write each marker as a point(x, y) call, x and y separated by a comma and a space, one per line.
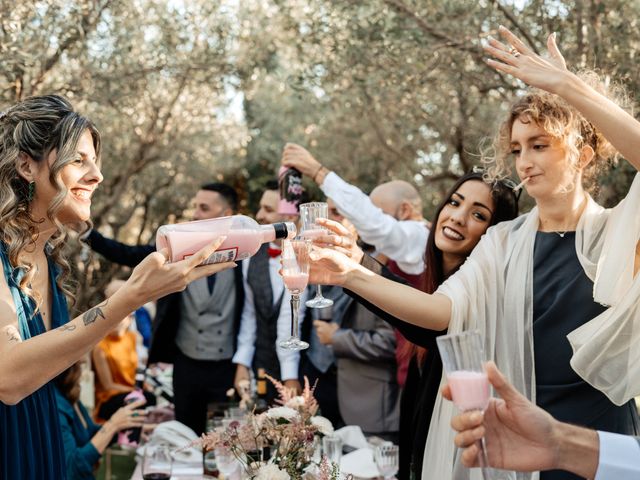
point(37, 126)
point(562, 121)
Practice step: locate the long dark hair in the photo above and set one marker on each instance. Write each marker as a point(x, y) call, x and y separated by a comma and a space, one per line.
point(67, 380)
point(505, 208)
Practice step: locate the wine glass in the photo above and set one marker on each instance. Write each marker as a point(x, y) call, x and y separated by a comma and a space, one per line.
point(463, 359)
point(309, 213)
point(387, 460)
point(332, 448)
point(295, 273)
point(157, 462)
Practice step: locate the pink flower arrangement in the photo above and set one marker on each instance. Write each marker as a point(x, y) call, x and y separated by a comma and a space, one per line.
point(287, 431)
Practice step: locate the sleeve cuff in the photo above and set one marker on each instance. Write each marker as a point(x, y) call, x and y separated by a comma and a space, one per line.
point(244, 356)
point(289, 368)
point(619, 457)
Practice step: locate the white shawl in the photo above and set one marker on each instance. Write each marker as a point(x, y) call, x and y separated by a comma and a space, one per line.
point(492, 292)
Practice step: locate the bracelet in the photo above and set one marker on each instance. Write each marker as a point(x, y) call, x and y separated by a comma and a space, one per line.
point(317, 172)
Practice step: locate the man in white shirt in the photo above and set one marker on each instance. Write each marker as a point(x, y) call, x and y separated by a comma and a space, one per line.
point(266, 314)
point(390, 218)
point(521, 436)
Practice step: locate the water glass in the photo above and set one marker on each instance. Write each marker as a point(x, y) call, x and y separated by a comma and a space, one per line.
point(226, 461)
point(157, 462)
point(332, 448)
point(387, 460)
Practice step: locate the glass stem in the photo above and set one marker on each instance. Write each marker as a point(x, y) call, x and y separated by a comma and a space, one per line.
point(318, 291)
point(295, 306)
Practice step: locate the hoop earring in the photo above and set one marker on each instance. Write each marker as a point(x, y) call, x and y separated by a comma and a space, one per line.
point(31, 192)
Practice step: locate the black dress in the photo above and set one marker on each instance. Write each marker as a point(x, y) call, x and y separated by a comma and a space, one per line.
point(563, 301)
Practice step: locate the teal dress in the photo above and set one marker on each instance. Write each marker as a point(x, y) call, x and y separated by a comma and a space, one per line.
point(30, 440)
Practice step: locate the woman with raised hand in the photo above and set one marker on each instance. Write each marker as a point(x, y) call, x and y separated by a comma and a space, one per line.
point(49, 169)
point(553, 292)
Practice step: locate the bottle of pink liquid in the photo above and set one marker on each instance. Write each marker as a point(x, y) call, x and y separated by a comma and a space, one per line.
point(244, 237)
point(296, 282)
point(470, 390)
point(291, 189)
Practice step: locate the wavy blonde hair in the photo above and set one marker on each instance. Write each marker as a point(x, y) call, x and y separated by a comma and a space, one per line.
point(36, 127)
point(560, 120)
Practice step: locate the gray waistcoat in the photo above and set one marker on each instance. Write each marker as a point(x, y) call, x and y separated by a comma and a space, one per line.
point(205, 329)
point(267, 313)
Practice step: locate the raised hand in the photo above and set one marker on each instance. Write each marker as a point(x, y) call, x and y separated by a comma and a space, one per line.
point(330, 267)
point(299, 158)
point(517, 59)
point(340, 238)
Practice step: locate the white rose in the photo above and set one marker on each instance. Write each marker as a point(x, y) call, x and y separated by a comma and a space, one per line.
point(282, 412)
point(295, 402)
point(324, 425)
point(271, 472)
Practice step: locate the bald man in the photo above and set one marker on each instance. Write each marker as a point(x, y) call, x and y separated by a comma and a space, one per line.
point(390, 218)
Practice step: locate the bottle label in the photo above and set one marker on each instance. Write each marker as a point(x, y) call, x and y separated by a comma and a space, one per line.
point(221, 256)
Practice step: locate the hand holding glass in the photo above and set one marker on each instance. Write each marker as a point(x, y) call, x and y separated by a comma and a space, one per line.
point(309, 213)
point(295, 273)
point(463, 362)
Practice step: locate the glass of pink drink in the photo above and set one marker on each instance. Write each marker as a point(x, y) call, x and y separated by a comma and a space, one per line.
point(295, 273)
point(310, 230)
point(463, 361)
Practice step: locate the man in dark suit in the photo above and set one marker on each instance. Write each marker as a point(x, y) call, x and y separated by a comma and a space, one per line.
point(196, 329)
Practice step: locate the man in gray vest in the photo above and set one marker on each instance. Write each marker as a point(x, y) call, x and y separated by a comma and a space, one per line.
point(266, 317)
point(195, 329)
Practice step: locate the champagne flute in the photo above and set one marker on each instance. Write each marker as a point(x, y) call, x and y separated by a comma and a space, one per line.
point(295, 273)
point(309, 213)
point(463, 362)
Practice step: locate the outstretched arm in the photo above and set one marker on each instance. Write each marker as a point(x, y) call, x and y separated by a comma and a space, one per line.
point(27, 364)
point(333, 264)
point(551, 74)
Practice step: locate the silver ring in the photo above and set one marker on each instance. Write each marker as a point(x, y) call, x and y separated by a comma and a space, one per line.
point(514, 51)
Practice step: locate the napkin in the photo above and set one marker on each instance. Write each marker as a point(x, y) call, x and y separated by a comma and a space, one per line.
point(176, 436)
point(352, 435)
point(359, 463)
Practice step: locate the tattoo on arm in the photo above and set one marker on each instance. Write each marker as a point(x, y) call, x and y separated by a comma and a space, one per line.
point(68, 327)
point(93, 314)
point(12, 334)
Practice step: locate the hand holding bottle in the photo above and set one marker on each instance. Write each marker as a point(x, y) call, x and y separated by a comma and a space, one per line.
point(154, 277)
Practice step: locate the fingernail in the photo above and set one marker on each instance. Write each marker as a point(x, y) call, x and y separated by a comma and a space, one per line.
point(501, 27)
point(476, 417)
point(553, 35)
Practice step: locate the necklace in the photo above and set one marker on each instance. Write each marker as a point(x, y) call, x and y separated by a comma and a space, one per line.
point(561, 234)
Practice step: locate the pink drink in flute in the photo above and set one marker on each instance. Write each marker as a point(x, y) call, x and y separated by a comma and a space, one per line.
point(296, 282)
point(244, 236)
point(463, 363)
point(470, 390)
